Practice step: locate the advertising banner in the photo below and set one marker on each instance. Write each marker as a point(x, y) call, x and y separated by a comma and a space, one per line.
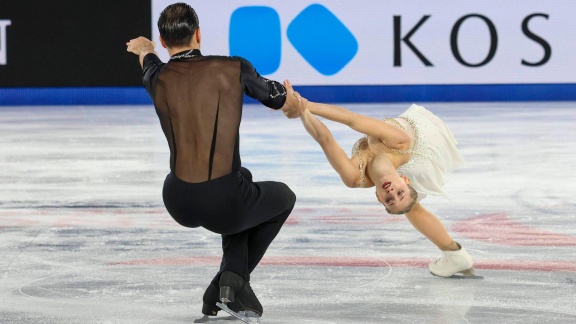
point(376, 42)
point(73, 52)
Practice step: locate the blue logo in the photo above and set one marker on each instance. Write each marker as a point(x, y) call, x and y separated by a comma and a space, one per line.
point(316, 33)
point(322, 39)
point(255, 35)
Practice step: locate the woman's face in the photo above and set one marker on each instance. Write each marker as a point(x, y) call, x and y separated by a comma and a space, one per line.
point(395, 194)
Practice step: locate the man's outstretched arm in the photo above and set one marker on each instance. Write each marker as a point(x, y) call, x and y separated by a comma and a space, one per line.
point(141, 46)
point(150, 64)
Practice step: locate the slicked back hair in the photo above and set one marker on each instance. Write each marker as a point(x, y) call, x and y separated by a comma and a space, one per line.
point(177, 24)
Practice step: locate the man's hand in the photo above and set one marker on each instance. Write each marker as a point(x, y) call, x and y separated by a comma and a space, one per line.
point(140, 45)
point(295, 105)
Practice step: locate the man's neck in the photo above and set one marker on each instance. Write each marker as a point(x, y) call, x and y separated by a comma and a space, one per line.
point(174, 50)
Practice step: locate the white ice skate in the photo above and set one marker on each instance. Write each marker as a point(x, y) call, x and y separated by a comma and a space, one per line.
point(453, 262)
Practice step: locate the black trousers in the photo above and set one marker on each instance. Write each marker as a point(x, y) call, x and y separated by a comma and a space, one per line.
point(247, 214)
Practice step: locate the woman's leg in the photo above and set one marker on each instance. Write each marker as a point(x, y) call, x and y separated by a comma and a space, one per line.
point(455, 258)
point(427, 224)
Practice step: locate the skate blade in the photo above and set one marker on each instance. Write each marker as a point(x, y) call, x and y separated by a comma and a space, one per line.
point(465, 274)
point(246, 317)
point(208, 319)
point(211, 319)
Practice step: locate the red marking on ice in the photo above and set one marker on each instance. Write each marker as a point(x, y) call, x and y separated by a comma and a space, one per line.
point(344, 261)
point(289, 261)
point(526, 265)
point(292, 220)
point(96, 217)
point(347, 216)
point(499, 229)
point(360, 219)
point(77, 220)
point(306, 210)
point(327, 261)
point(198, 260)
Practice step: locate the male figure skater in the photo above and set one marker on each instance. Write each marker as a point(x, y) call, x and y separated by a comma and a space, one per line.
point(198, 100)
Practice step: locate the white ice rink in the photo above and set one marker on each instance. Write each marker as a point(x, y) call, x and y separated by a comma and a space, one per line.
point(84, 236)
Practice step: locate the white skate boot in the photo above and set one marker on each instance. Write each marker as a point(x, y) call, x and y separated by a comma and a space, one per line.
point(453, 262)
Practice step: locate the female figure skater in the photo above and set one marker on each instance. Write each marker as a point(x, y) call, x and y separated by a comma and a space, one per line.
point(405, 158)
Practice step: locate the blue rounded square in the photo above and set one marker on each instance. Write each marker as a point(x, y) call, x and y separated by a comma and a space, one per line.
point(322, 39)
point(255, 35)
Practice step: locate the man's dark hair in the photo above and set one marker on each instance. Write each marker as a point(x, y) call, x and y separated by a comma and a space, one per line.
point(177, 23)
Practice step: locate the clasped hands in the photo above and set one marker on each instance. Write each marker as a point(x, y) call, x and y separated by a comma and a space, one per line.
point(295, 104)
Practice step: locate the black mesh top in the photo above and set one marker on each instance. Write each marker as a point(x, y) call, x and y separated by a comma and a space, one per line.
point(198, 100)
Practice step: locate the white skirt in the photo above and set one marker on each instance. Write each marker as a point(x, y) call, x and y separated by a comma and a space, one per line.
point(434, 153)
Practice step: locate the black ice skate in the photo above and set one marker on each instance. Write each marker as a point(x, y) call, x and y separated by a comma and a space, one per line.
point(244, 316)
point(211, 297)
point(234, 289)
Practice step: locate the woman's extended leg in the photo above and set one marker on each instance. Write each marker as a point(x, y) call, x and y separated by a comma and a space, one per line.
point(431, 227)
point(455, 258)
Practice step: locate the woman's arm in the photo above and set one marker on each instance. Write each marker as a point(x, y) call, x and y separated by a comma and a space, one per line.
point(349, 173)
point(391, 136)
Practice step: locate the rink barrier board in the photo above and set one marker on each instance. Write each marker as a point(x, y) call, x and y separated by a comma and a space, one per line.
point(328, 94)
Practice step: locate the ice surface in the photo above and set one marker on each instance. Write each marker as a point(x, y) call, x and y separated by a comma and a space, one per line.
point(84, 237)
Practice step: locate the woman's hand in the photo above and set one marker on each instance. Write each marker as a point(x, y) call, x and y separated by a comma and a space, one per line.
point(295, 104)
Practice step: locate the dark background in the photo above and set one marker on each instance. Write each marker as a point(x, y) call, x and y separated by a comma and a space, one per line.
point(73, 43)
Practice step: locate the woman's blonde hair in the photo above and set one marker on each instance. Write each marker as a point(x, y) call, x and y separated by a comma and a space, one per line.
point(413, 201)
